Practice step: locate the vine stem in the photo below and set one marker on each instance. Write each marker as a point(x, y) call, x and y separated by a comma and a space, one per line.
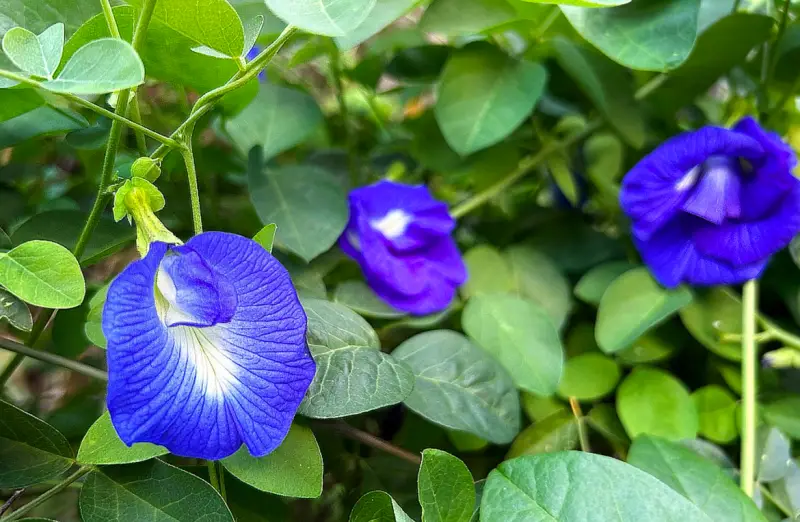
point(344, 429)
point(336, 73)
point(84, 369)
point(191, 172)
point(583, 436)
point(213, 478)
point(50, 493)
point(749, 387)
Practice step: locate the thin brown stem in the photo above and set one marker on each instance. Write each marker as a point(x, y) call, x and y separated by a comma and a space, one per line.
point(345, 430)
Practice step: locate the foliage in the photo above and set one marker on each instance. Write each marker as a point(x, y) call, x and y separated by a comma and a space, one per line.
point(259, 118)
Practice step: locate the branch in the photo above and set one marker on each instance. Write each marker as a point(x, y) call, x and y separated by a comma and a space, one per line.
point(344, 429)
point(84, 369)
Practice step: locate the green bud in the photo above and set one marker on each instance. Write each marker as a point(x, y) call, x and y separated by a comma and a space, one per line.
point(146, 168)
point(139, 200)
point(782, 359)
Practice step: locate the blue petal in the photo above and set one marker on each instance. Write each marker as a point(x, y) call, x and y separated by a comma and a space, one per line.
point(655, 189)
point(715, 197)
point(199, 295)
point(742, 243)
point(202, 392)
point(674, 259)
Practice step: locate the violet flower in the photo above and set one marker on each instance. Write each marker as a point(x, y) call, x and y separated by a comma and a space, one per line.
point(206, 348)
point(711, 206)
point(401, 238)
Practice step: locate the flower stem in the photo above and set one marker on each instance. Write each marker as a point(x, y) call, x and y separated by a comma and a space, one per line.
point(583, 435)
point(749, 387)
point(50, 493)
point(36, 332)
point(84, 369)
point(191, 173)
point(213, 478)
point(111, 22)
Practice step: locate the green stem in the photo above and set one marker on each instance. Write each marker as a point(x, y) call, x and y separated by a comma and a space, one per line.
point(194, 190)
point(583, 435)
point(338, 83)
point(542, 28)
point(212, 475)
point(111, 22)
point(209, 99)
point(749, 387)
point(50, 493)
point(775, 502)
point(36, 332)
point(168, 142)
point(133, 109)
point(221, 476)
point(84, 369)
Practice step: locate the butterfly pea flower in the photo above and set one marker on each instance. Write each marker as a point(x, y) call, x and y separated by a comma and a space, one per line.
point(712, 206)
point(251, 55)
point(401, 237)
point(206, 348)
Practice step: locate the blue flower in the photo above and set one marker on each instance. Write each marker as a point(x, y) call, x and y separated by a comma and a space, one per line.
point(401, 238)
point(251, 54)
point(710, 207)
point(206, 348)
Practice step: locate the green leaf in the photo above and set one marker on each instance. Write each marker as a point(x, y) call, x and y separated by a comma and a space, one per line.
point(539, 408)
point(168, 57)
point(65, 226)
point(266, 236)
point(484, 95)
point(705, 484)
point(589, 376)
point(656, 35)
point(719, 49)
point(653, 402)
point(99, 67)
point(39, 122)
point(554, 433)
point(715, 312)
point(43, 274)
point(784, 414)
point(716, 408)
point(213, 23)
point(31, 450)
point(446, 489)
point(521, 336)
point(38, 15)
point(384, 13)
point(353, 375)
point(595, 282)
point(36, 55)
point(326, 17)
point(582, 3)
point(460, 387)
point(458, 18)
point(278, 119)
point(607, 85)
point(378, 506)
point(151, 490)
point(16, 102)
point(488, 272)
point(537, 278)
point(294, 469)
point(648, 349)
point(604, 420)
point(359, 297)
point(633, 304)
point(102, 446)
point(307, 203)
point(15, 311)
point(598, 488)
point(775, 450)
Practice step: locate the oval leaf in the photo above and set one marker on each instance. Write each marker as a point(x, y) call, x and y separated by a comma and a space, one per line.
point(36, 55)
point(653, 402)
point(712, 314)
point(13, 310)
point(357, 296)
point(446, 489)
point(353, 375)
point(460, 387)
point(292, 470)
point(589, 376)
point(558, 432)
point(31, 450)
point(101, 66)
point(43, 274)
point(488, 270)
point(598, 488)
point(521, 336)
point(378, 506)
point(326, 17)
point(633, 304)
point(484, 95)
point(102, 446)
point(716, 408)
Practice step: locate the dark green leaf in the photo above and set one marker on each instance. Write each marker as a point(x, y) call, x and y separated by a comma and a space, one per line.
point(151, 490)
point(294, 469)
point(30, 449)
point(353, 375)
point(39, 122)
point(458, 18)
point(484, 95)
point(653, 402)
point(784, 414)
point(598, 488)
point(656, 35)
point(460, 387)
point(520, 335)
point(446, 490)
point(102, 445)
point(595, 282)
point(378, 506)
point(357, 296)
point(557, 432)
point(633, 304)
point(13, 310)
point(712, 314)
point(706, 485)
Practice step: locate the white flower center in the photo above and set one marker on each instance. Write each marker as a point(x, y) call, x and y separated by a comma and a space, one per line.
point(689, 179)
point(393, 224)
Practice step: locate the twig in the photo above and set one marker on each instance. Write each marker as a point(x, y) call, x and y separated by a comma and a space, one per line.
point(5, 507)
point(344, 429)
